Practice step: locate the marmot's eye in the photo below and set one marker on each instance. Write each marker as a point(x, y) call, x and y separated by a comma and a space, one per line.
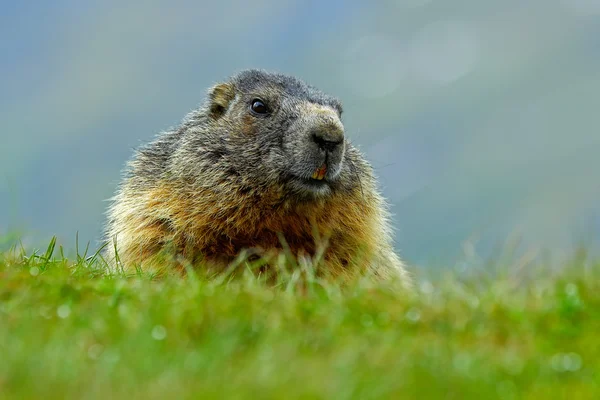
point(259, 107)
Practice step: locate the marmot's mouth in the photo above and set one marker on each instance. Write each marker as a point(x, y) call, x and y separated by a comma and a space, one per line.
point(316, 183)
point(320, 172)
point(311, 184)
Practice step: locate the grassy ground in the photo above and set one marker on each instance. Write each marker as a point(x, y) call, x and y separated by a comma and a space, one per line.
point(67, 331)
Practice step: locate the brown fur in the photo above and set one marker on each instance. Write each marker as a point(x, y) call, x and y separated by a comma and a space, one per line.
point(193, 210)
point(219, 231)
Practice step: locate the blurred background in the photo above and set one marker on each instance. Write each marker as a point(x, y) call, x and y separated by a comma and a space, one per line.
point(480, 118)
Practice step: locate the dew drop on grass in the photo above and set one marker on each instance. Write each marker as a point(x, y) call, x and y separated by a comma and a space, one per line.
point(426, 287)
point(413, 315)
point(34, 271)
point(159, 332)
point(566, 362)
point(571, 289)
point(63, 311)
point(94, 351)
point(572, 362)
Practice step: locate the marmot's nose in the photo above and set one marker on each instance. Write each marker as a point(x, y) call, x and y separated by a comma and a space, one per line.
point(327, 140)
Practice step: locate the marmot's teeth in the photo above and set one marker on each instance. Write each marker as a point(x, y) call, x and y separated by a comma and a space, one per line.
point(320, 172)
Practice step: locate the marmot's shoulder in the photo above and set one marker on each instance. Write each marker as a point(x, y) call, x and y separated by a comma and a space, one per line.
point(265, 159)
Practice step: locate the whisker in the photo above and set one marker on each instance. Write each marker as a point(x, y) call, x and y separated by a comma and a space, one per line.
point(355, 172)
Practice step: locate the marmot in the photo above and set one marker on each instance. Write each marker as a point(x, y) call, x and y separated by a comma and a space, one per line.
point(265, 165)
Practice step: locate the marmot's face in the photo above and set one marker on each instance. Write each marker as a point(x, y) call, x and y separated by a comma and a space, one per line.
point(291, 134)
point(310, 154)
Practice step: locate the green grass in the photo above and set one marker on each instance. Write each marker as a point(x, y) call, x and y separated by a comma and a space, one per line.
point(68, 331)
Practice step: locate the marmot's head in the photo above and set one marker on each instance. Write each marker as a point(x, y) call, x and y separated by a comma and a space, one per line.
point(276, 130)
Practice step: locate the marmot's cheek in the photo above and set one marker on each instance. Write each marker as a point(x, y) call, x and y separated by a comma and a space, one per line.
point(248, 128)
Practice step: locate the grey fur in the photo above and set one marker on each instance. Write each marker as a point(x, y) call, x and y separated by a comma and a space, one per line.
point(226, 150)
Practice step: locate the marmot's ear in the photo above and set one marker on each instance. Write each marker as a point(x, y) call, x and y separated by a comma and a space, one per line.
point(220, 96)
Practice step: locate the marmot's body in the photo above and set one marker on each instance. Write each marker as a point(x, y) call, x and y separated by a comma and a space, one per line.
point(264, 159)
